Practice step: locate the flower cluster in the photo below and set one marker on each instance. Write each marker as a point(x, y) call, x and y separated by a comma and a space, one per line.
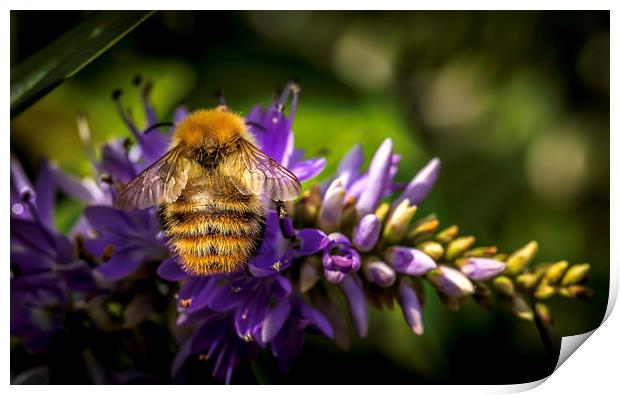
point(356, 234)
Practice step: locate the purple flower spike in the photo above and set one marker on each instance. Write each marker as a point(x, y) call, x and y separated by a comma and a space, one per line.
point(410, 306)
point(380, 273)
point(480, 269)
point(451, 282)
point(421, 184)
point(366, 233)
point(409, 261)
point(378, 174)
point(354, 292)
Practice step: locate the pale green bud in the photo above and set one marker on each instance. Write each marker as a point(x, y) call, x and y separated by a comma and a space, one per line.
point(432, 249)
point(458, 246)
point(555, 272)
point(575, 274)
point(544, 291)
point(521, 258)
point(398, 222)
point(504, 285)
point(448, 234)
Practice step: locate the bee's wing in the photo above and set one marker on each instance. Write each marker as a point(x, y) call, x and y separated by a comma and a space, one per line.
point(162, 182)
point(254, 172)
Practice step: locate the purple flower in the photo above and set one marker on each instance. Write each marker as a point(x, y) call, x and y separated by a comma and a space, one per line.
point(378, 176)
point(354, 292)
point(420, 186)
point(273, 131)
point(379, 273)
point(451, 282)
point(339, 258)
point(44, 269)
point(480, 269)
point(129, 238)
point(330, 213)
point(366, 233)
point(409, 261)
point(410, 306)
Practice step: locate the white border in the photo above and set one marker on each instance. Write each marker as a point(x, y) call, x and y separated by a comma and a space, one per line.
point(593, 368)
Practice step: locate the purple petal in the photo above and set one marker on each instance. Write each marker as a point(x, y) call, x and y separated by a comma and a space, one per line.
point(86, 191)
point(170, 270)
point(19, 179)
point(451, 281)
point(276, 318)
point(410, 306)
point(409, 261)
point(354, 292)
point(122, 265)
point(316, 319)
point(308, 169)
point(379, 273)
point(116, 163)
point(333, 276)
point(180, 113)
point(311, 241)
point(480, 269)
point(287, 345)
point(378, 173)
point(421, 184)
point(45, 188)
point(350, 165)
point(366, 233)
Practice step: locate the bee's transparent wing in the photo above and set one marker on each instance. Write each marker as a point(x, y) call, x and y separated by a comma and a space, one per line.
point(254, 172)
point(162, 182)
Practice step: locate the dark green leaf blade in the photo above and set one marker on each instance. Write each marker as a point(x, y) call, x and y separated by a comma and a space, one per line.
point(60, 60)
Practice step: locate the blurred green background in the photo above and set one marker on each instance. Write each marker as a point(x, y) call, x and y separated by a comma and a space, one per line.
point(516, 105)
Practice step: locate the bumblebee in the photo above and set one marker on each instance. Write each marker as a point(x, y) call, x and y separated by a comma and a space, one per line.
point(209, 188)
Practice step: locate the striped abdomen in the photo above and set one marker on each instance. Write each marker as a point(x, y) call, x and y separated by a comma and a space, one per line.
point(212, 227)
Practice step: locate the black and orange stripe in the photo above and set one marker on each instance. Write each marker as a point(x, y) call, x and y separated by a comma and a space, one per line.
point(212, 227)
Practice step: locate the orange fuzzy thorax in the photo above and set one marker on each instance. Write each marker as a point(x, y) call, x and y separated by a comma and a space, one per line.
point(209, 128)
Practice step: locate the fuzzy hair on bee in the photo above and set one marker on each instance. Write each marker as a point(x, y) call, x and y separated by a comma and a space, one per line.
point(209, 188)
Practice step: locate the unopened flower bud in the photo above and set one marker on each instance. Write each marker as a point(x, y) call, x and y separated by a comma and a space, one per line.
point(555, 272)
point(382, 211)
point(521, 309)
point(458, 246)
point(379, 272)
point(398, 222)
point(423, 231)
point(527, 280)
point(480, 269)
point(409, 260)
point(432, 248)
point(450, 281)
point(503, 285)
point(575, 291)
point(448, 234)
point(366, 233)
point(410, 306)
point(481, 252)
point(544, 291)
point(330, 214)
point(575, 274)
point(521, 258)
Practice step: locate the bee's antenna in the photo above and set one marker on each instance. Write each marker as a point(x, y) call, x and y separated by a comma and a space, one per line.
point(256, 125)
point(157, 125)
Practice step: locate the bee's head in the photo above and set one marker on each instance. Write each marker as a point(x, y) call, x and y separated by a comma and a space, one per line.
point(210, 128)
